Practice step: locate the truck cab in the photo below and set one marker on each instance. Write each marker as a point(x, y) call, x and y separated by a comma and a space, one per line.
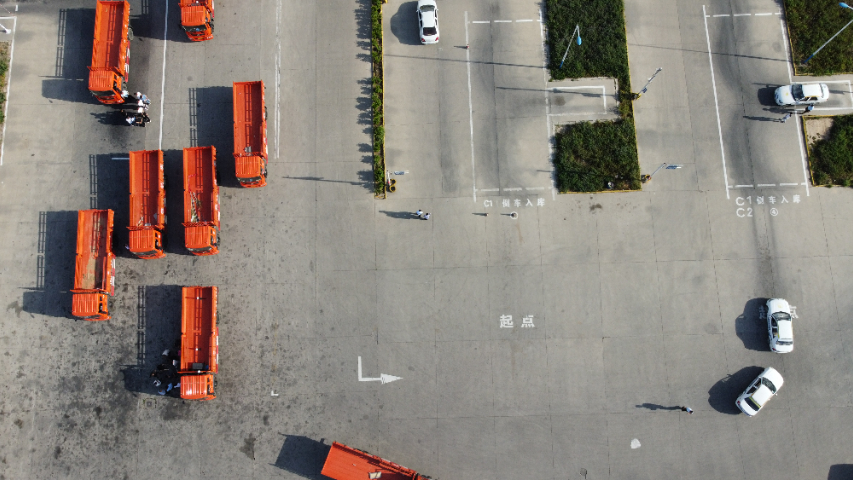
point(202, 239)
point(91, 306)
point(147, 244)
point(107, 86)
point(197, 19)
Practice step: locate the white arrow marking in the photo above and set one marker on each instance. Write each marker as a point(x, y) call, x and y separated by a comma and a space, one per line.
point(383, 377)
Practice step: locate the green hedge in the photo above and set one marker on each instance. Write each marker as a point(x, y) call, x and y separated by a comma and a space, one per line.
point(831, 159)
point(377, 98)
point(589, 155)
point(810, 24)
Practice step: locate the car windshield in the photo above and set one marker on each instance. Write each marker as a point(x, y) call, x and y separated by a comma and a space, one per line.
point(767, 383)
point(752, 404)
point(797, 91)
point(428, 8)
point(429, 31)
point(782, 317)
point(783, 342)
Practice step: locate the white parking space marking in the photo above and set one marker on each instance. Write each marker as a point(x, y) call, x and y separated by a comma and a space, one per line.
point(524, 20)
point(787, 54)
point(741, 14)
point(470, 110)
point(716, 103)
point(503, 21)
point(788, 184)
point(723, 15)
point(766, 185)
point(849, 91)
point(803, 155)
point(163, 80)
point(481, 21)
point(763, 14)
point(8, 80)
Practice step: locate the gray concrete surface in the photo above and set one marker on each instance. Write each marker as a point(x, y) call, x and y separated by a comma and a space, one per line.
point(639, 302)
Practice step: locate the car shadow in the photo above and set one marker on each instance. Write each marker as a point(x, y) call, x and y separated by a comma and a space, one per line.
point(751, 330)
point(722, 396)
point(302, 456)
point(840, 472)
point(404, 24)
point(767, 95)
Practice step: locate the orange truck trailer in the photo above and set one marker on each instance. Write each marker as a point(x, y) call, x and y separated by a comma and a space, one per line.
point(94, 275)
point(250, 134)
point(201, 201)
point(199, 343)
point(347, 463)
point(110, 51)
point(197, 19)
point(147, 204)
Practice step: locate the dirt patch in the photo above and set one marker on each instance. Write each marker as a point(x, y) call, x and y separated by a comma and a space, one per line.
point(817, 129)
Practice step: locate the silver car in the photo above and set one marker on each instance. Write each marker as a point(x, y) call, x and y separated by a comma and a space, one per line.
point(802, 94)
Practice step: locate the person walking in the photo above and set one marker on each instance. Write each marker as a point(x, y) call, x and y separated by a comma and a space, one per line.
point(786, 117)
point(419, 213)
point(426, 216)
point(687, 409)
point(809, 108)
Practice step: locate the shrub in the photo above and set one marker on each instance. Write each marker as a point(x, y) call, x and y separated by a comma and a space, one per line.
point(589, 155)
point(810, 24)
point(831, 159)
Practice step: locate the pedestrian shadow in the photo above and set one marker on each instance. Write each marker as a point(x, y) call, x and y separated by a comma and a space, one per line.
point(840, 472)
point(722, 396)
point(655, 406)
point(761, 119)
point(302, 456)
point(751, 329)
point(401, 215)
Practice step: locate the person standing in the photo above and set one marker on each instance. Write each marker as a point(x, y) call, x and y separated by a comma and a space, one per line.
point(809, 108)
point(687, 409)
point(426, 216)
point(786, 117)
point(419, 213)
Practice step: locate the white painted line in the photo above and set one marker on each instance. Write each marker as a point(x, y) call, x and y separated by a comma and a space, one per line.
point(512, 189)
point(716, 104)
point(787, 53)
point(503, 21)
point(535, 188)
point(277, 79)
point(850, 91)
point(8, 89)
point(470, 111)
point(788, 184)
point(481, 21)
point(549, 128)
point(524, 20)
point(722, 15)
point(763, 14)
point(572, 114)
point(540, 15)
point(778, 13)
point(163, 79)
point(834, 108)
point(489, 189)
point(803, 154)
point(741, 14)
point(766, 185)
point(804, 183)
point(743, 186)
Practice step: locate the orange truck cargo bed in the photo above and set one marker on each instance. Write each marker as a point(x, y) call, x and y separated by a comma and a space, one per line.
point(347, 463)
point(250, 134)
point(110, 67)
point(199, 342)
point(147, 204)
point(201, 201)
point(94, 275)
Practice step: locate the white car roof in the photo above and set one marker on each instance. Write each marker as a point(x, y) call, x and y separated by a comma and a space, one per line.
point(786, 332)
point(811, 90)
point(761, 395)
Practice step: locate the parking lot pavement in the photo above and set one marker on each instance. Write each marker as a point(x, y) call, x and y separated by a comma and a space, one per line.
point(546, 345)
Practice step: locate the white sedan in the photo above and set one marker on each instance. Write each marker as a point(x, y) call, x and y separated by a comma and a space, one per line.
point(760, 391)
point(428, 21)
point(802, 94)
point(780, 326)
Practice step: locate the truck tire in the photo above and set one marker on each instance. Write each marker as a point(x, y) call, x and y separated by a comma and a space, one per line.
point(129, 34)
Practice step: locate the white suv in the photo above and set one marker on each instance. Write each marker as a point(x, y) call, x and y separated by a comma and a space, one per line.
point(760, 391)
point(780, 325)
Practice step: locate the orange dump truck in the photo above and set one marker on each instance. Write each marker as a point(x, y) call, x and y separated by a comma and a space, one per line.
point(250, 134)
point(199, 343)
point(94, 275)
point(147, 204)
point(197, 19)
point(201, 201)
point(347, 463)
point(110, 51)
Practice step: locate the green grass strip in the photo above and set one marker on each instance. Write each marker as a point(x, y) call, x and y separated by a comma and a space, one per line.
point(591, 155)
point(377, 99)
point(831, 159)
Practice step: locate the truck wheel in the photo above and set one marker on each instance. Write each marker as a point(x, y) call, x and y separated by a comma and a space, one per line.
point(129, 34)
